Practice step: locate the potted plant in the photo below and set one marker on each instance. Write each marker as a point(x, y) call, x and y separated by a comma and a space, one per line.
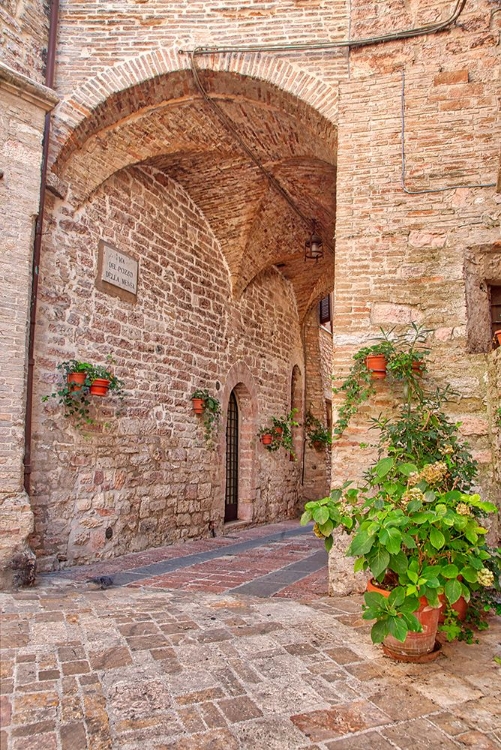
point(403, 357)
point(77, 385)
point(318, 436)
point(415, 525)
point(210, 408)
point(279, 434)
point(103, 380)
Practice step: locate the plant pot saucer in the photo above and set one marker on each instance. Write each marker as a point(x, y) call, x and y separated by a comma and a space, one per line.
point(418, 659)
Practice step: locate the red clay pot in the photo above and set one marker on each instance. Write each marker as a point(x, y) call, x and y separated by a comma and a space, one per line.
point(497, 334)
point(416, 645)
point(461, 607)
point(99, 387)
point(267, 438)
point(198, 405)
point(76, 379)
point(376, 364)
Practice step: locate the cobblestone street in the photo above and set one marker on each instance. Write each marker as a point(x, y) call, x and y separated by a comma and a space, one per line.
point(225, 644)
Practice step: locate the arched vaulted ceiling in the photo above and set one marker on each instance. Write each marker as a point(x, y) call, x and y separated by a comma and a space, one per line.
point(172, 129)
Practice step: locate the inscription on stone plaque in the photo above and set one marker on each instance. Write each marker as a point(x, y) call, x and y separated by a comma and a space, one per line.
point(119, 269)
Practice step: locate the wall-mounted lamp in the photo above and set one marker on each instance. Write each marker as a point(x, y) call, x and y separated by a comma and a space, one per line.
point(313, 247)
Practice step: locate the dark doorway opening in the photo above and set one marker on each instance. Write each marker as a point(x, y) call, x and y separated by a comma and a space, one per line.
point(231, 494)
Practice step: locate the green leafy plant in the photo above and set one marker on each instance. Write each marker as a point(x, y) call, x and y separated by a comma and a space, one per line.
point(406, 364)
point(317, 435)
point(414, 535)
point(415, 523)
point(281, 430)
point(211, 413)
point(497, 417)
point(75, 398)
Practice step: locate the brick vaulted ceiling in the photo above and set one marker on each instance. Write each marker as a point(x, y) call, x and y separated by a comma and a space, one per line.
point(171, 128)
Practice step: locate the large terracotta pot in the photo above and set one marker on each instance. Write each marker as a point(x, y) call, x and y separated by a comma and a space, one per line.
point(99, 387)
point(376, 363)
point(417, 646)
point(497, 334)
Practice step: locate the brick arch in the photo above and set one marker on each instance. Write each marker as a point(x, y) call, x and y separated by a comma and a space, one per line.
point(104, 98)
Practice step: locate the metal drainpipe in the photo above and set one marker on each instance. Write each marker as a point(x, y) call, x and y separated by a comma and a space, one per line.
point(49, 81)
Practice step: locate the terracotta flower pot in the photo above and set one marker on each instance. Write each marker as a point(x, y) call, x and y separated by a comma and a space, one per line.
point(99, 387)
point(417, 368)
point(376, 364)
point(267, 438)
point(278, 431)
point(198, 405)
point(76, 380)
point(461, 607)
point(497, 334)
point(416, 645)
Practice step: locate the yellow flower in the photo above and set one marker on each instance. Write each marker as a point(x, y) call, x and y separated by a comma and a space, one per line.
point(433, 473)
point(463, 509)
point(317, 532)
point(485, 577)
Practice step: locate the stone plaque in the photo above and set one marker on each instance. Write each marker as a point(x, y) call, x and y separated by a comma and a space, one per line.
point(119, 269)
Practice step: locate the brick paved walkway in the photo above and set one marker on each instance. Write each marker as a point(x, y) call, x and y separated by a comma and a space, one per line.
point(170, 664)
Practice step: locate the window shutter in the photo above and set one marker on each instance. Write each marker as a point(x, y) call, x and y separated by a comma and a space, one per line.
point(325, 310)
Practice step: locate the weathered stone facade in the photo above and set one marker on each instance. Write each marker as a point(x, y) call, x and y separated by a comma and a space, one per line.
point(23, 104)
point(141, 161)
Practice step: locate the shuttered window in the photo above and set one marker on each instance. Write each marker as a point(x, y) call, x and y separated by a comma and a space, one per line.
point(495, 296)
point(325, 310)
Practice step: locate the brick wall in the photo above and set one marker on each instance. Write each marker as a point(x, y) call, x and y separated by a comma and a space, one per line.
point(22, 113)
point(147, 473)
point(24, 37)
point(400, 258)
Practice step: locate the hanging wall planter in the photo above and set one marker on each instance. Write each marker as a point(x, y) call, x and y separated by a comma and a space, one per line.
point(497, 337)
point(267, 438)
point(208, 406)
point(198, 405)
point(82, 380)
point(100, 387)
point(376, 364)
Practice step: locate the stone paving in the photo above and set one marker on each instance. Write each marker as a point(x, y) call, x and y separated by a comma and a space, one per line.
point(166, 664)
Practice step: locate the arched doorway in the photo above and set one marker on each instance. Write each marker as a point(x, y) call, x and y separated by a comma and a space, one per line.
point(232, 461)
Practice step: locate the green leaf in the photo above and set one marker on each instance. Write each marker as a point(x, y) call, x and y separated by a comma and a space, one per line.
point(408, 541)
point(321, 515)
point(436, 538)
point(398, 628)
point(359, 565)
point(398, 563)
point(374, 599)
point(379, 631)
point(391, 538)
point(450, 571)
point(469, 574)
point(326, 528)
point(453, 591)
point(328, 541)
point(361, 544)
point(383, 467)
point(407, 469)
point(429, 496)
point(379, 561)
point(397, 596)
point(305, 518)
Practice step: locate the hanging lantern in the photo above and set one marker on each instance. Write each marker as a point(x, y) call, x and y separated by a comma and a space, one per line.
point(313, 247)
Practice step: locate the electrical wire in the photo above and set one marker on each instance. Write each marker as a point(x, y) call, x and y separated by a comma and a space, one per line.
point(352, 43)
point(431, 190)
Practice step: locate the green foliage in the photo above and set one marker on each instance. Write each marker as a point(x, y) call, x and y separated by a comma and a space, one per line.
point(76, 399)
point(316, 434)
point(406, 364)
point(211, 414)
point(497, 417)
point(415, 523)
point(281, 430)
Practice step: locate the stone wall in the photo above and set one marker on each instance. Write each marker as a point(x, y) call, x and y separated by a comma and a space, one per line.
point(25, 30)
point(146, 473)
point(400, 257)
point(23, 105)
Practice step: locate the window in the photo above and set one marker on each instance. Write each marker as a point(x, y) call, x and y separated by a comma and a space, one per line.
point(324, 310)
point(495, 302)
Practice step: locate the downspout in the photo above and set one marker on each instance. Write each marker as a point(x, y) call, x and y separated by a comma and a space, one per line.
point(49, 81)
